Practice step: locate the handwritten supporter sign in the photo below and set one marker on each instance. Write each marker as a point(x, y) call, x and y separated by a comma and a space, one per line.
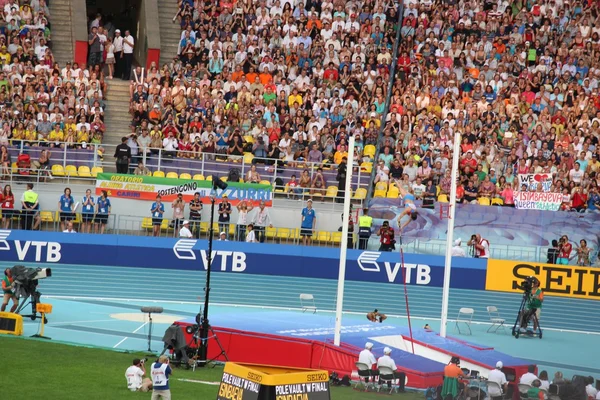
point(532, 181)
point(538, 201)
point(147, 187)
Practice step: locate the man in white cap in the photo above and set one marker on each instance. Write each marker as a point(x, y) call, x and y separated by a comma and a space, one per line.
point(387, 361)
point(367, 357)
point(222, 237)
point(185, 232)
point(496, 375)
point(458, 251)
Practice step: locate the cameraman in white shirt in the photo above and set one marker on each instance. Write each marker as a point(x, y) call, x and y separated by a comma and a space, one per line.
point(135, 377)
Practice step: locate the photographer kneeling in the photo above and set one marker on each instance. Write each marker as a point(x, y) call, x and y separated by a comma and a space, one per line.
point(533, 306)
point(386, 240)
point(135, 377)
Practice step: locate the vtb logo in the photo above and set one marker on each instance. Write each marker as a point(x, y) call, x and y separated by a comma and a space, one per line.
point(184, 250)
point(42, 251)
point(368, 262)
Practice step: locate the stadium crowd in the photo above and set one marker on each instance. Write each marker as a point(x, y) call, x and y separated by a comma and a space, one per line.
point(292, 80)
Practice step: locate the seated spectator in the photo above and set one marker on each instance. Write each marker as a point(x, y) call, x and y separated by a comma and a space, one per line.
point(528, 377)
point(383, 172)
point(318, 185)
point(141, 169)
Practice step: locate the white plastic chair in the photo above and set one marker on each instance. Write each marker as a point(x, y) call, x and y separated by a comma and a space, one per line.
point(307, 302)
point(386, 375)
point(497, 322)
point(523, 388)
point(493, 387)
point(465, 315)
point(364, 372)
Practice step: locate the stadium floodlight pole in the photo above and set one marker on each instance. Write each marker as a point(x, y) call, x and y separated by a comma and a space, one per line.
point(344, 244)
point(450, 234)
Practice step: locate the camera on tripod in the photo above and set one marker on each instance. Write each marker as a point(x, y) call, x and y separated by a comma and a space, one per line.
point(527, 284)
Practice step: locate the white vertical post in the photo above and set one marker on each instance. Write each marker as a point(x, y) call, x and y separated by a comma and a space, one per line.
point(344, 245)
point(450, 234)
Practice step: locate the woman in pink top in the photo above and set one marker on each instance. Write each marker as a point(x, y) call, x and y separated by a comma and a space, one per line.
point(508, 195)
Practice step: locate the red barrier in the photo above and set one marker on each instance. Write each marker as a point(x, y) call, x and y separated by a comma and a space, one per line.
point(81, 52)
point(263, 348)
point(153, 56)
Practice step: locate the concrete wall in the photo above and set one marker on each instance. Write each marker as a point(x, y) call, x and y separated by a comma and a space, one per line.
point(147, 48)
point(284, 213)
point(80, 31)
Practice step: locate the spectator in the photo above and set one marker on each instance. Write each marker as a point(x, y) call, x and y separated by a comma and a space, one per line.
point(383, 172)
point(196, 213)
point(318, 183)
point(87, 212)
point(142, 170)
point(65, 205)
point(250, 235)
point(545, 384)
point(222, 237)
point(7, 200)
point(496, 375)
point(528, 377)
point(128, 45)
point(178, 207)
point(261, 220)
point(103, 209)
point(224, 215)
point(457, 250)
point(157, 210)
point(69, 228)
point(341, 178)
point(294, 189)
point(185, 232)
point(583, 254)
point(252, 176)
point(244, 208)
point(95, 47)
point(307, 226)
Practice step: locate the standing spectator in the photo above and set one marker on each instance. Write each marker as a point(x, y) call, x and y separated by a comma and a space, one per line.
point(196, 214)
point(244, 209)
point(185, 232)
point(110, 57)
point(386, 237)
point(341, 178)
point(318, 183)
point(118, 44)
point(309, 221)
point(178, 206)
point(564, 250)
point(250, 236)
point(8, 206)
point(30, 206)
point(261, 220)
point(103, 209)
point(87, 212)
point(128, 44)
point(157, 210)
point(123, 156)
point(224, 215)
point(583, 254)
point(95, 47)
point(65, 204)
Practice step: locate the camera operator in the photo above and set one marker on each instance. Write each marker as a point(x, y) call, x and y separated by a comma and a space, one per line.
point(480, 248)
point(7, 291)
point(533, 305)
point(135, 377)
point(553, 252)
point(386, 234)
point(564, 250)
point(161, 371)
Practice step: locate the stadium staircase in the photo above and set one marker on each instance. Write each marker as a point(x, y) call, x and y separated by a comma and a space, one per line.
point(117, 118)
point(62, 33)
point(170, 31)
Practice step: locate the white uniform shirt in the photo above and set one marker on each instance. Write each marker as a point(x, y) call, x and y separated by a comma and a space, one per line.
point(128, 48)
point(528, 378)
point(134, 375)
point(185, 232)
point(485, 253)
point(118, 43)
point(458, 251)
point(366, 357)
point(386, 361)
point(591, 391)
point(497, 376)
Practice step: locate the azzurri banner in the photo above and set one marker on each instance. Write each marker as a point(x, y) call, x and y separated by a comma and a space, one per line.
point(239, 258)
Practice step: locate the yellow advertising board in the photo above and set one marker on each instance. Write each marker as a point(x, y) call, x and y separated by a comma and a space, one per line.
point(266, 382)
point(556, 280)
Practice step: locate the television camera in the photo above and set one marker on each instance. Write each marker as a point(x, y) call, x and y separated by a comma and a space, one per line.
point(25, 282)
point(527, 314)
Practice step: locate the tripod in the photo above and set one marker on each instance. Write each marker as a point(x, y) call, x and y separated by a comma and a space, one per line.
point(149, 332)
point(203, 344)
point(525, 315)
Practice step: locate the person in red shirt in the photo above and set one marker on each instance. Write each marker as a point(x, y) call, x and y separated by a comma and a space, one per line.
point(468, 161)
point(386, 234)
point(7, 204)
point(579, 200)
point(331, 74)
point(564, 250)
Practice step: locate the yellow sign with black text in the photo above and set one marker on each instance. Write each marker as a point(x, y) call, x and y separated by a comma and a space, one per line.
point(555, 280)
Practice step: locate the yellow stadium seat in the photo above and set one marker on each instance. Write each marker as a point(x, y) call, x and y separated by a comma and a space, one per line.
point(58, 170)
point(443, 198)
point(209, 178)
point(369, 150)
point(381, 186)
point(336, 237)
point(47, 216)
point(198, 177)
point(484, 201)
point(249, 139)
point(71, 170)
point(158, 174)
point(164, 225)
point(438, 189)
point(284, 233)
point(497, 201)
point(366, 167)
point(147, 223)
point(380, 193)
point(332, 191)
point(223, 178)
point(271, 232)
point(361, 194)
point(393, 193)
point(78, 219)
point(84, 172)
point(265, 182)
point(14, 168)
point(96, 171)
point(248, 157)
point(322, 236)
point(185, 176)
point(173, 175)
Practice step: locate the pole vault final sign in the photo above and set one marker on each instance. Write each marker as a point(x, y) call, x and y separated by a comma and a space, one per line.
point(266, 382)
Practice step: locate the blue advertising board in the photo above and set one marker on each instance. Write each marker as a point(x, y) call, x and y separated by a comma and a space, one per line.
point(239, 258)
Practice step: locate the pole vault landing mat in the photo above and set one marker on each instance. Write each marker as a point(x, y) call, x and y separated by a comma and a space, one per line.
point(305, 340)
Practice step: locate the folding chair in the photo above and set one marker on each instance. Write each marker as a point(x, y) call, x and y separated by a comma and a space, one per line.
point(523, 388)
point(307, 302)
point(386, 375)
point(465, 315)
point(495, 319)
point(364, 373)
point(494, 387)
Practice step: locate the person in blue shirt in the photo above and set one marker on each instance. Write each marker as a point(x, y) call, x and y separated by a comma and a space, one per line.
point(593, 203)
point(103, 207)
point(309, 220)
point(65, 204)
point(88, 206)
point(157, 210)
point(160, 372)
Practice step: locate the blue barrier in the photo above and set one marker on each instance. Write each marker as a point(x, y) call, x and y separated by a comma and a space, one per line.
point(235, 257)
